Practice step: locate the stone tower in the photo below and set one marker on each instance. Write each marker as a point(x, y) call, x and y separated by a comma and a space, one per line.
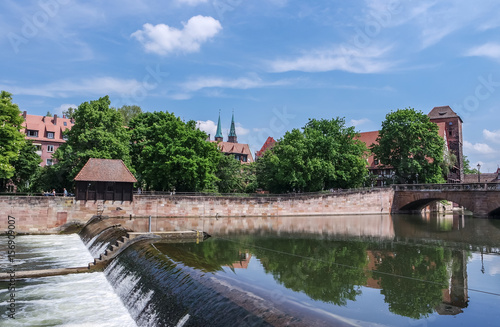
point(454, 138)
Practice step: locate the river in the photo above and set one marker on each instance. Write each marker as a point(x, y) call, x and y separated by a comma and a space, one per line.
point(297, 271)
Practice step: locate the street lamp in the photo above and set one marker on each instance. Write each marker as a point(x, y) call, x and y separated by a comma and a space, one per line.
point(417, 178)
point(479, 173)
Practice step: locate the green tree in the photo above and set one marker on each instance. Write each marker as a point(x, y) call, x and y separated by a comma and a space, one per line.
point(26, 165)
point(412, 279)
point(11, 139)
point(409, 142)
point(326, 154)
point(98, 133)
point(467, 168)
point(229, 175)
point(168, 153)
point(129, 112)
point(49, 114)
point(68, 113)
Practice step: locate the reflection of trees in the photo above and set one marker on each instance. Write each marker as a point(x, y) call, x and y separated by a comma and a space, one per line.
point(420, 290)
point(208, 256)
point(324, 270)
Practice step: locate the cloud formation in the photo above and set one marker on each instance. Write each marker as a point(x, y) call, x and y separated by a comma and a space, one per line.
point(489, 50)
point(163, 39)
point(493, 136)
point(478, 148)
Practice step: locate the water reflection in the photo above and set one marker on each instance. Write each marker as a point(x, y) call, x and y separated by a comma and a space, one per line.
point(419, 267)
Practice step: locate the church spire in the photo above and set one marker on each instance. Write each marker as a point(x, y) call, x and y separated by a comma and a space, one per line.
point(218, 135)
point(232, 132)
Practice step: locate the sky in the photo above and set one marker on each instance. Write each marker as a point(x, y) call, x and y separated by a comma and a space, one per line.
point(274, 63)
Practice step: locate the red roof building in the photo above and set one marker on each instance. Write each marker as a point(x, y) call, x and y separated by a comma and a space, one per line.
point(46, 134)
point(269, 144)
point(450, 129)
point(240, 151)
point(104, 179)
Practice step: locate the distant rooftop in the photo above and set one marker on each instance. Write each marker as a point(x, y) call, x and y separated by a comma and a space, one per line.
point(105, 170)
point(443, 112)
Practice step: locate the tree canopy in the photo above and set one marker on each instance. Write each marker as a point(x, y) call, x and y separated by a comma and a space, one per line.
point(11, 138)
point(129, 112)
point(324, 155)
point(168, 153)
point(98, 133)
point(409, 142)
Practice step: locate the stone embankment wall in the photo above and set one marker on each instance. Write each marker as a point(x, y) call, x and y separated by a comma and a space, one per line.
point(51, 214)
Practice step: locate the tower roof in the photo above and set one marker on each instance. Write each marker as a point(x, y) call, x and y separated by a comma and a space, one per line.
point(219, 129)
point(443, 112)
point(232, 131)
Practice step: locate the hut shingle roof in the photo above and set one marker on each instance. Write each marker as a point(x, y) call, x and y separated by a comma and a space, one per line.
point(105, 170)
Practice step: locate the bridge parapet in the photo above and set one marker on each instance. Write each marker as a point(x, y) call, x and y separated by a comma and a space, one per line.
point(483, 199)
point(448, 187)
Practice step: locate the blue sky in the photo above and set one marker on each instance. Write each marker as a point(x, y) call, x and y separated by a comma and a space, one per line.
point(276, 63)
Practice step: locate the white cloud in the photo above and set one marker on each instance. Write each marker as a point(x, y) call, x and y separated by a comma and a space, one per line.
point(59, 110)
point(358, 122)
point(341, 57)
point(250, 82)
point(207, 126)
point(478, 148)
point(490, 50)
point(163, 39)
point(493, 136)
point(66, 88)
point(192, 2)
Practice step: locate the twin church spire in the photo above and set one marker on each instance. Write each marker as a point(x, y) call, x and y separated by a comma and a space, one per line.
point(232, 138)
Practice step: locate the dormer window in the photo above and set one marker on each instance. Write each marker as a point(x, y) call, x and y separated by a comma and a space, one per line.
point(32, 133)
point(50, 135)
point(65, 124)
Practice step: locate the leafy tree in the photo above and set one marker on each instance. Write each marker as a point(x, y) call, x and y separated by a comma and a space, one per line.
point(98, 133)
point(409, 142)
point(49, 114)
point(467, 168)
point(129, 112)
point(26, 166)
point(68, 113)
point(11, 139)
point(324, 155)
point(235, 177)
point(168, 153)
point(413, 278)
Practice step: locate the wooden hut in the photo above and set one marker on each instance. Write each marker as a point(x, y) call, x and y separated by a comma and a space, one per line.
point(104, 179)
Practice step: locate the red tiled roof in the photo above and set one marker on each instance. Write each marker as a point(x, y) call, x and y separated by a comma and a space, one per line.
point(44, 124)
point(235, 148)
point(269, 144)
point(369, 138)
point(105, 170)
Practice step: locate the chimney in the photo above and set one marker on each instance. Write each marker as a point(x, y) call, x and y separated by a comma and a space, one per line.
point(55, 120)
point(24, 114)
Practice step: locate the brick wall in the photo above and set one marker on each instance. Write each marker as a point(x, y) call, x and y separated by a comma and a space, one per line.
point(49, 214)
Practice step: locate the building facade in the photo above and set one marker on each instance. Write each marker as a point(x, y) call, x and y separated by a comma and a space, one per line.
point(239, 151)
point(450, 129)
point(46, 134)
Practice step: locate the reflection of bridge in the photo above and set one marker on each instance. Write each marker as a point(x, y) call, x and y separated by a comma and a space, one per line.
point(480, 198)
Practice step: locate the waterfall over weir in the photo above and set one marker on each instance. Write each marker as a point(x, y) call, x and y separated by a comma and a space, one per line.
point(162, 284)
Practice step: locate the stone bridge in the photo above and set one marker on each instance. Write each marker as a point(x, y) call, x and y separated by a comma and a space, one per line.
point(483, 199)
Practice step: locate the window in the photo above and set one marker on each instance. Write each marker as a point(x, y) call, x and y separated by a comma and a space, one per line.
point(451, 133)
point(244, 158)
point(38, 147)
point(65, 124)
point(50, 135)
point(49, 162)
point(65, 137)
point(32, 133)
point(375, 162)
point(50, 148)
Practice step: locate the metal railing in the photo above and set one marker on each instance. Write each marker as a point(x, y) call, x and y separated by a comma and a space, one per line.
point(263, 195)
point(448, 187)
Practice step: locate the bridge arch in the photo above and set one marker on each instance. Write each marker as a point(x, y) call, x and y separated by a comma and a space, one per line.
point(419, 204)
point(482, 199)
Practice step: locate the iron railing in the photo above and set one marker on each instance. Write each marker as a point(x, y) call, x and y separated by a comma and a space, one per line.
point(448, 187)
